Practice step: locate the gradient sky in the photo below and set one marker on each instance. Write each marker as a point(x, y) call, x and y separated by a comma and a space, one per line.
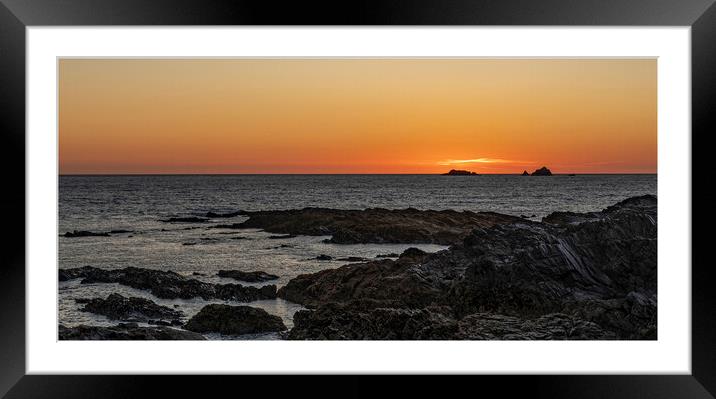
point(356, 115)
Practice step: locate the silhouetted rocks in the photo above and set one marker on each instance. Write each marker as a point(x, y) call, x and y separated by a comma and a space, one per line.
point(215, 215)
point(543, 171)
point(234, 320)
point(125, 331)
point(457, 172)
point(584, 276)
point(375, 225)
point(250, 277)
point(169, 285)
point(525, 173)
point(84, 233)
point(118, 307)
point(189, 219)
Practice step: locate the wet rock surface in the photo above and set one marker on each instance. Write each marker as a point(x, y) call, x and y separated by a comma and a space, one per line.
point(234, 320)
point(125, 331)
point(119, 307)
point(374, 225)
point(249, 277)
point(574, 276)
point(167, 284)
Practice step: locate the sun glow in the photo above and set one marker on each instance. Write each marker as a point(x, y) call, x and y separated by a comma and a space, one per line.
point(356, 115)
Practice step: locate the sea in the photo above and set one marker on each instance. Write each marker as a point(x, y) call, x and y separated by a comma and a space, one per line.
point(139, 203)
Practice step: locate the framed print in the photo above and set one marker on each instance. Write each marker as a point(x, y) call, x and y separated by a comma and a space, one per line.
point(488, 189)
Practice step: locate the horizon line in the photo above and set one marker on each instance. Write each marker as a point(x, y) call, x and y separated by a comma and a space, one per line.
point(339, 174)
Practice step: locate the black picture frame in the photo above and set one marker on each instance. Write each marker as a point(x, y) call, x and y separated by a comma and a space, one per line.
point(16, 15)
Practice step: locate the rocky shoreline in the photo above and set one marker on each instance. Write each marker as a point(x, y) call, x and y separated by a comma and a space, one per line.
point(588, 276)
point(579, 278)
point(373, 225)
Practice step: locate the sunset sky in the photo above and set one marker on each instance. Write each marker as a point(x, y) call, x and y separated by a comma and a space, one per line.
point(130, 116)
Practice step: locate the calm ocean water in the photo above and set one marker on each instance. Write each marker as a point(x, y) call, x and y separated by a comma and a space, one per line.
point(137, 203)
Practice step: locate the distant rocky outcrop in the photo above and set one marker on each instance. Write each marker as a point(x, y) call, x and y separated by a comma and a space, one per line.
point(249, 277)
point(574, 276)
point(543, 171)
point(119, 307)
point(167, 284)
point(374, 225)
point(458, 172)
point(125, 331)
point(525, 173)
point(234, 320)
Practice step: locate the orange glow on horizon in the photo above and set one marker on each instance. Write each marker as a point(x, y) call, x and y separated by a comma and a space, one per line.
point(134, 116)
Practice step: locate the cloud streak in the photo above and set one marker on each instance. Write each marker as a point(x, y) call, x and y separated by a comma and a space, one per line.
point(479, 160)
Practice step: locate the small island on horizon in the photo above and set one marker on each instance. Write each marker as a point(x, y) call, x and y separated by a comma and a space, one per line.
point(458, 172)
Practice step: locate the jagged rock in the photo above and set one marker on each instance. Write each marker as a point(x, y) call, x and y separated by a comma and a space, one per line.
point(457, 172)
point(349, 282)
point(125, 331)
point(374, 225)
point(169, 285)
point(323, 257)
point(234, 320)
point(488, 326)
point(356, 321)
point(543, 171)
point(118, 307)
point(83, 233)
point(599, 268)
point(251, 277)
point(525, 173)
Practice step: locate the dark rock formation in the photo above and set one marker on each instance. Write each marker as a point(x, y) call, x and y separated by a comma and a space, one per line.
point(250, 277)
point(126, 331)
point(525, 173)
point(457, 172)
point(323, 257)
point(83, 233)
point(234, 320)
point(77, 272)
point(189, 219)
point(120, 231)
point(586, 277)
point(225, 215)
point(375, 225)
point(169, 285)
point(118, 307)
point(543, 171)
